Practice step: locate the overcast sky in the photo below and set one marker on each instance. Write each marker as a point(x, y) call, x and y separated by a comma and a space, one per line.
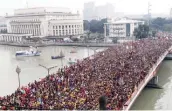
point(125, 6)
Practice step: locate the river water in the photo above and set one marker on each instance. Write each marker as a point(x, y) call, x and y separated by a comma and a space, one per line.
point(157, 99)
point(149, 99)
point(30, 69)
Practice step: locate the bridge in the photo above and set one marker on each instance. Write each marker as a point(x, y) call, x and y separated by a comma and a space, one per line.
point(148, 78)
point(107, 80)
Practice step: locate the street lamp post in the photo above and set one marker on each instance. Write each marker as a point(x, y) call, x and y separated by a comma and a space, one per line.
point(61, 54)
point(88, 50)
point(62, 62)
point(18, 70)
point(48, 69)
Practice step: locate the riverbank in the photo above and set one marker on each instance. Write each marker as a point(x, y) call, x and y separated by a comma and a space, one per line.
point(58, 44)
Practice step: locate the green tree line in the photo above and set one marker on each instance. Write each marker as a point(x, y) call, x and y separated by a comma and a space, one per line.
point(95, 26)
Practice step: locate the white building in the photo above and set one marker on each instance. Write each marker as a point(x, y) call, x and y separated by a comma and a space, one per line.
point(45, 22)
point(14, 37)
point(3, 26)
point(122, 28)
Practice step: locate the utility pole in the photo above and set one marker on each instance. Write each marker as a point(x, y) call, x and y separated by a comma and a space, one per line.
point(149, 17)
point(149, 13)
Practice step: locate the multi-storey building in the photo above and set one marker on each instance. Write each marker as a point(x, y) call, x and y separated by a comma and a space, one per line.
point(45, 22)
point(123, 28)
point(3, 26)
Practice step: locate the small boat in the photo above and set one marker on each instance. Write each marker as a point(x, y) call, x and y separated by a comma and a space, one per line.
point(57, 57)
point(74, 50)
point(32, 52)
point(71, 61)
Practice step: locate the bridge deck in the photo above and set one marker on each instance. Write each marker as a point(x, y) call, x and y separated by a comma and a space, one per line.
point(141, 86)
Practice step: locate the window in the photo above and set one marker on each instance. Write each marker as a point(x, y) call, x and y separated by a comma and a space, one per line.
point(54, 32)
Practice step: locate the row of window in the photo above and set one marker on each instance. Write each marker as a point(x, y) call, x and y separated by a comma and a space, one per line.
point(35, 32)
point(26, 26)
point(118, 29)
point(33, 20)
point(66, 32)
point(67, 26)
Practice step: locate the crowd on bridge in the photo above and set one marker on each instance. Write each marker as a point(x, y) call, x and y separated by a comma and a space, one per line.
point(114, 73)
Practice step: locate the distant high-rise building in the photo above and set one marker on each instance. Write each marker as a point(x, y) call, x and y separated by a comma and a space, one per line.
point(171, 13)
point(89, 10)
point(97, 12)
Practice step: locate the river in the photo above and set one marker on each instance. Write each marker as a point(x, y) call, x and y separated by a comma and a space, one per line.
point(149, 99)
point(157, 99)
point(30, 69)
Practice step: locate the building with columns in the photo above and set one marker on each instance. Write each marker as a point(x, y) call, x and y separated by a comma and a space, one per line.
point(3, 26)
point(45, 22)
point(14, 37)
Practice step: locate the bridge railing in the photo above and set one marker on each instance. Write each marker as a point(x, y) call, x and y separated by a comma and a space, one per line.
point(151, 74)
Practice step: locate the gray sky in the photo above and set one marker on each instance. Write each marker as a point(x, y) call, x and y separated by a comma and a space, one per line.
point(125, 6)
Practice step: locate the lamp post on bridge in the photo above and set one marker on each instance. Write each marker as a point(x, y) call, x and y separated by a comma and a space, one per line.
point(88, 50)
point(48, 69)
point(18, 70)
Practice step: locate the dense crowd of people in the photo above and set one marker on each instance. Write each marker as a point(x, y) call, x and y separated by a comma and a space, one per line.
point(114, 73)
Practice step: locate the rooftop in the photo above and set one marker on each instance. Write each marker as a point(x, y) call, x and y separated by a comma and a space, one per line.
point(123, 21)
point(38, 10)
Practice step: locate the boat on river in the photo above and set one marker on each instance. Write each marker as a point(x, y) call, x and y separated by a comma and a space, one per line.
point(74, 50)
point(29, 53)
point(59, 56)
point(72, 61)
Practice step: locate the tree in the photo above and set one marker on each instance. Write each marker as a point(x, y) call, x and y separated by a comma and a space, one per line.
point(95, 25)
point(36, 39)
point(153, 33)
point(167, 27)
point(86, 25)
point(161, 24)
point(115, 40)
point(141, 32)
point(75, 39)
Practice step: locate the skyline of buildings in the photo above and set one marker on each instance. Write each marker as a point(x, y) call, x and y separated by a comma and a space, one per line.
point(91, 11)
